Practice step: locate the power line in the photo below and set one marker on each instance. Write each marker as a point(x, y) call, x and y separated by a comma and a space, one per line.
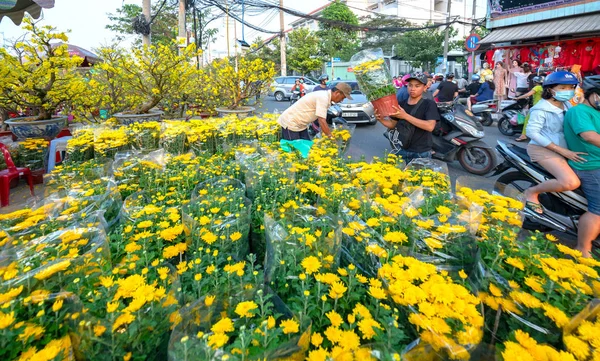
point(336, 23)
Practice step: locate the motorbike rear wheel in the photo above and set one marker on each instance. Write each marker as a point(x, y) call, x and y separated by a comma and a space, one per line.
point(505, 127)
point(480, 162)
point(487, 119)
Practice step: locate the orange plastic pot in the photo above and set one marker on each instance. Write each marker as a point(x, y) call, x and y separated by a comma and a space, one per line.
point(386, 106)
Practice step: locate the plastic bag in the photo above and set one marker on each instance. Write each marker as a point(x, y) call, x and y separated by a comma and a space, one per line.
point(301, 145)
point(220, 222)
point(173, 138)
point(145, 136)
point(40, 323)
point(99, 335)
point(43, 270)
point(201, 325)
point(299, 234)
point(452, 323)
point(217, 187)
point(373, 74)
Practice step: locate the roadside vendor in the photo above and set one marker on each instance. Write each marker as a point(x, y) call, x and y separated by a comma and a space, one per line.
point(295, 120)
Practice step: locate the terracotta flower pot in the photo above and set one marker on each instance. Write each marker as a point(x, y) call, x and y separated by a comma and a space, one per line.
point(386, 106)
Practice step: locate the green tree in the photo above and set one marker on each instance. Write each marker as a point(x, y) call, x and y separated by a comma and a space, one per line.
point(164, 26)
point(302, 51)
point(422, 47)
point(338, 40)
point(383, 39)
point(269, 52)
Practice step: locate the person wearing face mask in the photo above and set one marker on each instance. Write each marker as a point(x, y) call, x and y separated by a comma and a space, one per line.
point(548, 146)
point(582, 132)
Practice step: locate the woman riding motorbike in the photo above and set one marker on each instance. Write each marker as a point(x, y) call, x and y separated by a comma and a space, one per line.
point(548, 146)
point(536, 94)
point(485, 92)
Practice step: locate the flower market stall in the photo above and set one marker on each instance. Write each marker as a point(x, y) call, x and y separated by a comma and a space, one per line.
point(203, 240)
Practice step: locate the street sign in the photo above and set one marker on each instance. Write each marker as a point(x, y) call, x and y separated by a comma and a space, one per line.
point(472, 42)
point(336, 60)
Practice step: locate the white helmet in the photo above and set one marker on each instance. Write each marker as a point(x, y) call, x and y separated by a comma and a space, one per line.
point(489, 77)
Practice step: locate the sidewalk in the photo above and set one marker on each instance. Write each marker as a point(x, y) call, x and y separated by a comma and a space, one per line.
point(20, 197)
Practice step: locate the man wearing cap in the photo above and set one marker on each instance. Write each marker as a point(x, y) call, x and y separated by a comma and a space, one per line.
point(415, 120)
point(295, 120)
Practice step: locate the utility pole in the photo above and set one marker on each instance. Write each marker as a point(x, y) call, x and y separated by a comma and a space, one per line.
point(182, 31)
point(227, 25)
point(146, 6)
point(446, 35)
point(282, 39)
point(472, 69)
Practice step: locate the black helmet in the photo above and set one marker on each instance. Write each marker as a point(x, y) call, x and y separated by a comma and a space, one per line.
point(449, 75)
point(323, 77)
point(538, 79)
point(592, 84)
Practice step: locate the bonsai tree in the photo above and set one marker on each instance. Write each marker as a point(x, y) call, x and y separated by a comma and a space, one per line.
point(249, 80)
point(39, 76)
point(139, 80)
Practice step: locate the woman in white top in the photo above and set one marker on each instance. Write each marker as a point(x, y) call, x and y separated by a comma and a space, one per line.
point(548, 146)
point(522, 79)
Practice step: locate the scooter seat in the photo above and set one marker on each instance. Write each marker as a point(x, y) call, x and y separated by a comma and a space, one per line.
point(522, 153)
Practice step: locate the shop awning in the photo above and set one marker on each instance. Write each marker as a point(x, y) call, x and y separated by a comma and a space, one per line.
point(16, 9)
point(568, 26)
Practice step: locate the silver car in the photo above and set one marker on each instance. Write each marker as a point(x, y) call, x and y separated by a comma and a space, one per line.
point(281, 88)
point(359, 109)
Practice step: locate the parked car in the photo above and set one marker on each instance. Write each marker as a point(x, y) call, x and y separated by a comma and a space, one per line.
point(281, 88)
point(359, 109)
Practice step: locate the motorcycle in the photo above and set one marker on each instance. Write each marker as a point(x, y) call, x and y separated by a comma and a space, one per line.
point(486, 111)
point(458, 137)
point(561, 210)
point(508, 124)
point(296, 95)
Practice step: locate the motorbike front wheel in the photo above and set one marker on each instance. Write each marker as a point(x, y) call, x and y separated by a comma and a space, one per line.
point(476, 160)
point(505, 127)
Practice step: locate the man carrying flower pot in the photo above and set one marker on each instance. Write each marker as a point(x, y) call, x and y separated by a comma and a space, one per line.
point(296, 119)
point(413, 122)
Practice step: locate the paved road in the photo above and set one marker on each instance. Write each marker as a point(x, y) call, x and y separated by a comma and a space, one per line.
point(368, 141)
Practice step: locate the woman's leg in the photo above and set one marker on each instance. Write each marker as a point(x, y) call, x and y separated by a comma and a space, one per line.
point(565, 179)
point(469, 103)
point(524, 132)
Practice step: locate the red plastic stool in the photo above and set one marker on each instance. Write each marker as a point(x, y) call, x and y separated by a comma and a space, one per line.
point(9, 174)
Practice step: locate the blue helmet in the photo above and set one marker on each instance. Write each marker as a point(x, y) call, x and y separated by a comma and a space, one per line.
point(475, 77)
point(560, 77)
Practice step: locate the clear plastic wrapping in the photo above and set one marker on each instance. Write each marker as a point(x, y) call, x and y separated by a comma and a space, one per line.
point(248, 326)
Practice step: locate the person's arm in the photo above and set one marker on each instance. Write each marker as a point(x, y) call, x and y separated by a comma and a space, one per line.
point(427, 125)
point(324, 126)
point(591, 137)
point(386, 122)
point(534, 129)
point(323, 103)
point(526, 95)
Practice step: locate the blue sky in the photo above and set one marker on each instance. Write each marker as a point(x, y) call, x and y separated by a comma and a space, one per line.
point(87, 18)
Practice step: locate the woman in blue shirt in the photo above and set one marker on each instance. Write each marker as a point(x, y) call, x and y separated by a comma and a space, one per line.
point(486, 92)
